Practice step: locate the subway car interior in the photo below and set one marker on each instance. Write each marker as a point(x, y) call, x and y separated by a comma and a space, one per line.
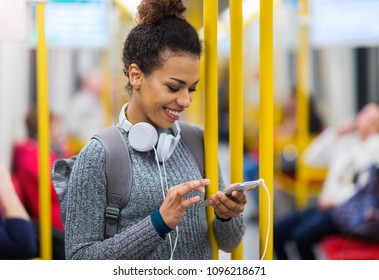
point(282, 74)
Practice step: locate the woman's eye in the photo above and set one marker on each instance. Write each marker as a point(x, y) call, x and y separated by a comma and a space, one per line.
point(172, 89)
point(191, 90)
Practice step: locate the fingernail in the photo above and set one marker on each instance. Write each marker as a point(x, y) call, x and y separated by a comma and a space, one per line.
point(206, 181)
point(219, 195)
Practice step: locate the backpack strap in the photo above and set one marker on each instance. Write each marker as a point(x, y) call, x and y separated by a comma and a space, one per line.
point(193, 139)
point(118, 173)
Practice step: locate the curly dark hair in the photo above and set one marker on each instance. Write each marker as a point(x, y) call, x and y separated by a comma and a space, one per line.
point(161, 26)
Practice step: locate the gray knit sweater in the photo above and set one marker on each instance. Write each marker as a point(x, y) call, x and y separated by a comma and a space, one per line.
point(136, 237)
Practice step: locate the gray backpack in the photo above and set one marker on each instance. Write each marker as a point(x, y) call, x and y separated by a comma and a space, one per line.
point(119, 182)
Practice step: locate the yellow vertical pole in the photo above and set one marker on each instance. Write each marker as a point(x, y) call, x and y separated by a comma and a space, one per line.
point(302, 115)
point(43, 138)
point(266, 122)
point(195, 114)
point(236, 100)
point(211, 114)
point(106, 89)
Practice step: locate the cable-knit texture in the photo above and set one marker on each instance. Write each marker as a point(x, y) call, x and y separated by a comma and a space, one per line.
point(136, 237)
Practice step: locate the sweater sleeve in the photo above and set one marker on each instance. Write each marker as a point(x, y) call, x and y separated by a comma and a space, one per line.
point(85, 215)
point(229, 233)
point(17, 239)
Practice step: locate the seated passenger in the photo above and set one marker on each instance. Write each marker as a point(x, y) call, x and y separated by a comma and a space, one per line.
point(25, 166)
point(25, 171)
point(347, 151)
point(17, 237)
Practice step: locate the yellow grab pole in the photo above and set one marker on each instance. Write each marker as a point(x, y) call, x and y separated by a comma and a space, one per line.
point(106, 89)
point(43, 138)
point(211, 114)
point(236, 101)
point(302, 108)
point(195, 114)
point(266, 122)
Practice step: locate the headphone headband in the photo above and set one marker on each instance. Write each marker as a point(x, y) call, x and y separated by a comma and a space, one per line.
point(125, 124)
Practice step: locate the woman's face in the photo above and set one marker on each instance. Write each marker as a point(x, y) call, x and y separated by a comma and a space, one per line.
point(162, 96)
point(368, 121)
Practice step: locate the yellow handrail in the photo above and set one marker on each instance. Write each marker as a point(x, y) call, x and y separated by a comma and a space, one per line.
point(211, 114)
point(266, 122)
point(106, 97)
point(236, 101)
point(195, 114)
point(302, 108)
point(43, 138)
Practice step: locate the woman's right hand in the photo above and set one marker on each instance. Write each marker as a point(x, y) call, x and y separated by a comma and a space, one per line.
point(174, 204)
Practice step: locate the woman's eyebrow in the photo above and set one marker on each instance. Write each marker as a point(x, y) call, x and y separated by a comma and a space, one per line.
point(181, 81)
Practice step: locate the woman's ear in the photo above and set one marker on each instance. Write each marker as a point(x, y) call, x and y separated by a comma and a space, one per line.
point(135, 76)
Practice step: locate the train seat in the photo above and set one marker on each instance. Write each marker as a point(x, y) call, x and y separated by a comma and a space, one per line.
point(338, 247)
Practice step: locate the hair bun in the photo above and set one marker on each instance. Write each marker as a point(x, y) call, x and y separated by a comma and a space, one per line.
point(151, 11)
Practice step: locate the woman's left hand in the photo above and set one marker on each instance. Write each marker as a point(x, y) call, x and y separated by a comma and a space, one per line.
point(228, 206)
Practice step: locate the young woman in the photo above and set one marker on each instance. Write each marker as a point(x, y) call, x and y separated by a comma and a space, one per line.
point(162, 219)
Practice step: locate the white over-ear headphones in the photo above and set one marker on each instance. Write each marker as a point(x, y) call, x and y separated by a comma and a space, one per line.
point(143, 137)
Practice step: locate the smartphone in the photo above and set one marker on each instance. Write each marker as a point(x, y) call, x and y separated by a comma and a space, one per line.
point(245, 186)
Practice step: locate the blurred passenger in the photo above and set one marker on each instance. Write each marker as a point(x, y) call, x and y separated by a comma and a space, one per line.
point(287, 130)
point(348, 151)
point(25, 171)
point(17, 237)
point(85, 117)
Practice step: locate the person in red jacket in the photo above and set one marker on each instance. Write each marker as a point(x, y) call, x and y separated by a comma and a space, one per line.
point(25, 168)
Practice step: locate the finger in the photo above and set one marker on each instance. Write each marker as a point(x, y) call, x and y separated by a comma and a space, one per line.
point(194, 183)
point(222, 211)
point(239, 197)
point(203, 184)
point(219, 207)
point(218, 203)
point(189, 186)
point(227, 204)
point(200, 190)
point(190, 201)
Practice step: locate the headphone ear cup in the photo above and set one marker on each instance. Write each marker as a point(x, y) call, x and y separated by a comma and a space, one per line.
point(165, 147)
point(143, 137)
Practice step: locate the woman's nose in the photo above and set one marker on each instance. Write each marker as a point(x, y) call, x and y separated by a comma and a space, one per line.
point(184, 99)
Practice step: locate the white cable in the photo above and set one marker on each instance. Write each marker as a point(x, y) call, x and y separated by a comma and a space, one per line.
point(164, 173)
point(164, 196)
point(176, 228)
point(165, 177)
point(268, 219)
point(160, 174)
